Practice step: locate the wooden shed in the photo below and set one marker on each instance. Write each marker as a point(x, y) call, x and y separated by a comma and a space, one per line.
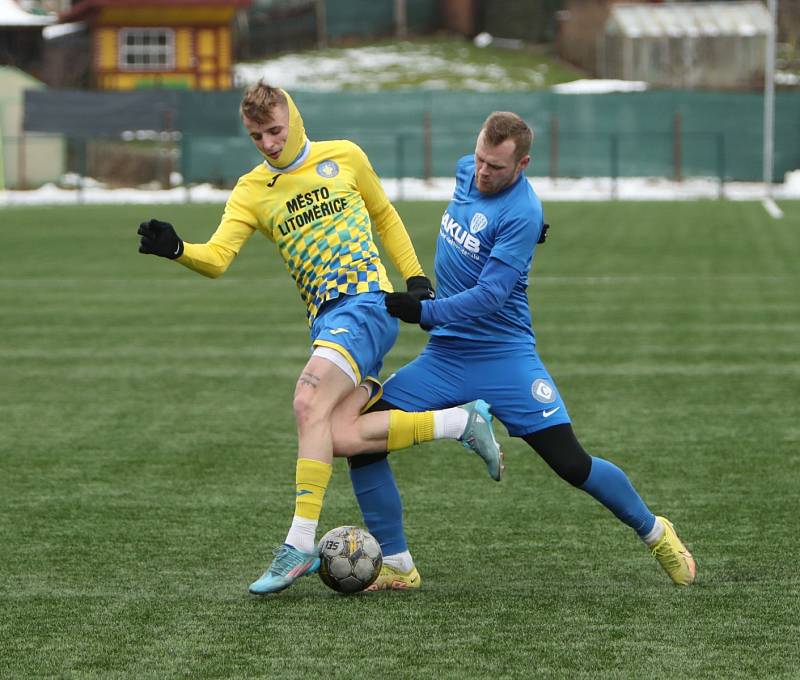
point(159, 43)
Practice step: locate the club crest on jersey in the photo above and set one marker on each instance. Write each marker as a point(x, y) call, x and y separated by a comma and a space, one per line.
point(477, 223)
point(543, 391)
point(328, 169)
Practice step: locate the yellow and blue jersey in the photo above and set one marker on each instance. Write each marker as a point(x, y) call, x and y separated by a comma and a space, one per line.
point(319, 213)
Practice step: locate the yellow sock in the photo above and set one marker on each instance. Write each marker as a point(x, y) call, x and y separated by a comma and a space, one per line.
point(406, 429)
point(311, 480)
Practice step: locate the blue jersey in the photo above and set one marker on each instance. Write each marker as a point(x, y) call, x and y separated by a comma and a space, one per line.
point(475, 227)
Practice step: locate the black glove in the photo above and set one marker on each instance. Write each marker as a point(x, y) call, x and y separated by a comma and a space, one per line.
point(159, 238)
point(404, 306)
point(543, 235)
point(420, 287)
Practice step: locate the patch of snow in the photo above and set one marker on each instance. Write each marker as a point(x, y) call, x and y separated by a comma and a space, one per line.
point(151, 135)
point(791, 182)
point(72, 180)
point(11, 14)
point(436, 189)
point(59, 30)
point(586, 86)
point(368, 68)
point(786, 78)
point(483, 39)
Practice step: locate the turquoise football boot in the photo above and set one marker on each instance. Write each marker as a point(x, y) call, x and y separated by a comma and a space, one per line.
point(479, 437)
point(289, 564)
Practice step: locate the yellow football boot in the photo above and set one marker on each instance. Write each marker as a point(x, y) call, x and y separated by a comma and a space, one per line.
point(394, 579)
point(673, 556)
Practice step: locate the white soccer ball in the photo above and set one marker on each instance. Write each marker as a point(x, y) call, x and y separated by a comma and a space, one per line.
point(350, 559)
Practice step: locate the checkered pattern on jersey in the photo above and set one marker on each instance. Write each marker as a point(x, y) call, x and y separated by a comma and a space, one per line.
point(332, 259)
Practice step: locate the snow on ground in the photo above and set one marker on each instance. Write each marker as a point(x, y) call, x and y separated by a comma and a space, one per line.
point(60, 30)
point(11, 14)
point(372, 68)
point(599, 86)
point(436, 189)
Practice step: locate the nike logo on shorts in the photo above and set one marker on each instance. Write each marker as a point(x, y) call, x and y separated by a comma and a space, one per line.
point(547, 414)
point(336, 331)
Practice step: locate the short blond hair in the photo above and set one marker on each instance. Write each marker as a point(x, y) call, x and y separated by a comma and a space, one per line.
point(503, 125)
point(260, 100)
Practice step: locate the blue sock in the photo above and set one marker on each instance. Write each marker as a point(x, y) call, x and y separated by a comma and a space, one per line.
point(611, 486)
point(380, 503)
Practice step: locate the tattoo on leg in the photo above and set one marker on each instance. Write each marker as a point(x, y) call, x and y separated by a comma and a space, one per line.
point(308, 379)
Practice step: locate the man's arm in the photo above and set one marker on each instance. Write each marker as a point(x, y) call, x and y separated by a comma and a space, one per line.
point(211, 258)
point(510, 256)
point(486, 297)
point(215, 256)
point(390, 227)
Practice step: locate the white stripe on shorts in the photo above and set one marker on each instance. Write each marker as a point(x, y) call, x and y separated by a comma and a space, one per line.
point(336, 358)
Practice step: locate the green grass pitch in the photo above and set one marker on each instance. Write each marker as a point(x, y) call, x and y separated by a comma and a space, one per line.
point(147, 453)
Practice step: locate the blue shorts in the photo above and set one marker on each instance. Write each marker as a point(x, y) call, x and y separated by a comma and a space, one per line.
point(360, 329)
point(452, 371)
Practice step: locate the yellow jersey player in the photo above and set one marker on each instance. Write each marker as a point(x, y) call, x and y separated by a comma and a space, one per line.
point(317, 202)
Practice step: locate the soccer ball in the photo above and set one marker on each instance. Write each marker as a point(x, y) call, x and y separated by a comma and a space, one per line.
point(350, 559)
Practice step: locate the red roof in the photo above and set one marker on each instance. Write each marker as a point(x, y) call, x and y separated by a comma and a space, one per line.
point(80, 9)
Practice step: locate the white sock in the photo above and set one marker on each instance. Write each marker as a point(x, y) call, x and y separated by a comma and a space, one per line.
point(400, 561)
point(655, 534)
point(449, 423)
point(302, 534)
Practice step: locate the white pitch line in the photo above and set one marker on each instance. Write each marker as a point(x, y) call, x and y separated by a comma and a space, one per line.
point(772, 208)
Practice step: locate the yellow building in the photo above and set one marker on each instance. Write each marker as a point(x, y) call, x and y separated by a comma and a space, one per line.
point(159, 43)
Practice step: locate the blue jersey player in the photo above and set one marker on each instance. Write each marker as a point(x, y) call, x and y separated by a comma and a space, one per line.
point(482, 344)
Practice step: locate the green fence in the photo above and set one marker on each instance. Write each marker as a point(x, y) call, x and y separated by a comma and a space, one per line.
point(376, 17)
point(279, 25)
point(419, 134)
point(422, 133)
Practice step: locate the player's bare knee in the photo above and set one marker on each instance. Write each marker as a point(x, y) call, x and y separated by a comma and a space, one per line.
point(308, 411)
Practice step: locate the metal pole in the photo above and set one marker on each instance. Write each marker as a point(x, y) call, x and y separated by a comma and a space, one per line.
point(22, 180)
point(769, 98)
point(81, 167)
point(677, 150)
point(321, 19)
point(400, 18)
point(2, 157)
point(614, 158)
point(427, 145)
point(721, 164)
point(553, 146)
point(401, 166)
point(165, 149)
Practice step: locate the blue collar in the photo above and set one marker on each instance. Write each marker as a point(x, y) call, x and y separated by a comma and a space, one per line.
point(296, 163)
